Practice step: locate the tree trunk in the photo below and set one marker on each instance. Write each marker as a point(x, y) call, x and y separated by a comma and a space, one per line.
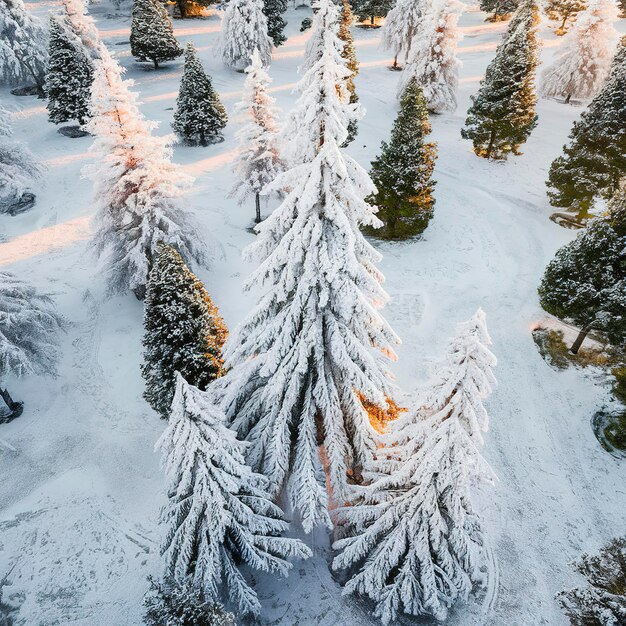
point(395, 62)
point(492, 138)
point(257, 199)
point(182, 8)
point(579, 340)
point(8, 400)
point(372, 18)
point(569, 97)
point(156, 64)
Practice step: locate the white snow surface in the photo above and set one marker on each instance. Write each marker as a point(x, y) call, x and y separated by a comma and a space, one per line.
point(81, 487)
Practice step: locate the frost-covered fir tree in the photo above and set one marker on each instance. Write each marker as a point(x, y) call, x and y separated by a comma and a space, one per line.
point(303, 360)
point(69, 78)
point(83, 26)
point(402, 25)
point(583, 60)
point(183, 331)
point(499, 9)
point(136, 186)
point(349, 54)
point(23, 46)
point(200, 115)
point(258, 161)
point(433, 61)
point(369, 10)
point(564, 11)
point(403, 171)
point(29, 325)
point(416, 544)
point(595, 158)
point(585, 283)
point(502, 114)
point(172, 603)
point(244, 30)
point(18, 171)
point(274, 11)
point(151, 33)
point(219, 514)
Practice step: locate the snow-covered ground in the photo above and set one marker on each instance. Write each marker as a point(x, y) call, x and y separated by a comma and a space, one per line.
point(81, 487)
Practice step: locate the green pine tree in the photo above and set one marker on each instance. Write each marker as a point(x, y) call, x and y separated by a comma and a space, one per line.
point(502, 114)
point(586, 281)
point(183, 331)
point(274, 11)
point(499, 9)
point(403, 171)
point(595, 158)
point(371, 9)
point(151, 33)
point(352, 64)
point(69, 77)
point(563, 10)
point(200, 115)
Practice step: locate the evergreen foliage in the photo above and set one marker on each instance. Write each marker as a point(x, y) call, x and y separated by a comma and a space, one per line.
point(219, 514)
point(70, 74)
point(595, 158)
point(274, 11)
point(244, 30)
point(371, 9)
point(582, 64)
point(585, 283)
point(79, 22)
point(183, 331)
point(200, 115)
point(502, 114)
point(563, 10)
point(500, 9)
point(415, 542)
point(303, 359)
point(403, 171)
point(151, 33)
point(170, 603)
point(349, 54)
point(402, 26)
point(23, 46)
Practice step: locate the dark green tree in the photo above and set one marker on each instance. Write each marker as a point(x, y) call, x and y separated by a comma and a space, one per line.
point(200, 115)
point(151, 33)
point(586, 281)
point(595, 158)
point(403, 171)
point(349, 54)
point(69, 77)
point(274, 10)
point(502, 114)
point(183, 331)
point(499, 9)
point(371, 9)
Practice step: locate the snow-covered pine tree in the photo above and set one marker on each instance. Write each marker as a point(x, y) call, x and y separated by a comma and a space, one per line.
point(401, 27)
point(172, 603)
point(200, 115)
point(416, 543)
point(584, 59)
point(502, 114)
point(349, 54)
point(69, 78)
point(371, 9)
point(258, 161)
point(23, 46)
point(244, 30)
point(585, 283)
point(83, 26)
point(302, 361)
point(136, 186)
point(18, 171)
point(403, 171)
point(563, 10)
point(219, 514)
point(151, 33)
point(433, 61)
point(274, 11)
point(183, 331)
point(595, 158)
point(499, 9)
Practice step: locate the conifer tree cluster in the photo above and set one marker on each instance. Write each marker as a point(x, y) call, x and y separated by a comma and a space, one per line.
point(274, 11)
point(403, 171)
point(200, 115)
point(151, 33)
point(183, 331)
point(502, 114)
point(499, 9)
point(564, 11)
point(595, 158)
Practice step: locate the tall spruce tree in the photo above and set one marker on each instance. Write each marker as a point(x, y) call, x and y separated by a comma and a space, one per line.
point(69, 78)
point(595, 158)
point(502, 114)
point(401, 27)
point(349, 54)
point(301, 363)
point(499, 9)
point(151, 33)
point(403, 171)
point(564, 11)
point(183, 331)
point(274, 11)
point(200, 115)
